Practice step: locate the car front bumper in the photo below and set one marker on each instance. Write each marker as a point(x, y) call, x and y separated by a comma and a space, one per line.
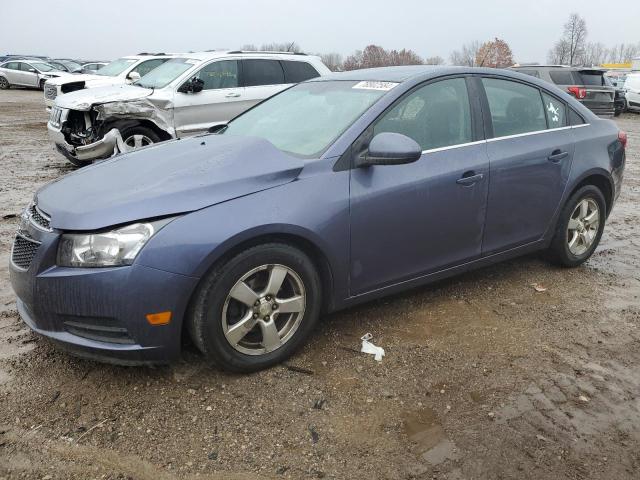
point(103, 148)
point(100, 313)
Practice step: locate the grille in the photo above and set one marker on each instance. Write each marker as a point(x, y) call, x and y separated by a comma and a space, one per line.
point(39, 218)
point(24, 249)
point(50, 91)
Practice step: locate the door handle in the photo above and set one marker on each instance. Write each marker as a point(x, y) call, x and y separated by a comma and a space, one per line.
point(469, 178)
point(232, 95)
point(557, 155)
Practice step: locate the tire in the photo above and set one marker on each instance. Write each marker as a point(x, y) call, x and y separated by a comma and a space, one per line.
point(4, 84)
point(41, 84)
point(147, 136)
point(213, 308)
point(561, 252)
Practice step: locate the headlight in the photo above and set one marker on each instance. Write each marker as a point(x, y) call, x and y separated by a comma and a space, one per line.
point(106, 249)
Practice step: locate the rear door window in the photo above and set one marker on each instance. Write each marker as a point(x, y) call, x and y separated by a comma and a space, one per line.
point(436, 115)
point(262, 72)
point(296, 72)
point(562, 77)
point(515, 107)
point(555, 110)
point(12, 66)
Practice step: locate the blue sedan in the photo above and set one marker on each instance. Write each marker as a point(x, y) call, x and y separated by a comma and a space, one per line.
point(336, 191)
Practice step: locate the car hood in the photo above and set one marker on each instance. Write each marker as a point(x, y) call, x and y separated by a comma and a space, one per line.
point(165, 179)
point(83, 77)
point(84, 99)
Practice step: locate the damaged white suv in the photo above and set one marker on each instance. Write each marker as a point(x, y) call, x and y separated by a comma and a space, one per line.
point(184, 96)
point(123, 70)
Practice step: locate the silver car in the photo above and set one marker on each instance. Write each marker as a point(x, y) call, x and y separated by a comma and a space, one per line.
point(27, 73)
point(184, 96)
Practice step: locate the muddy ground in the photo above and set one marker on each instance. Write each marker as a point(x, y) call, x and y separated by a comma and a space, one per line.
point(484, 378)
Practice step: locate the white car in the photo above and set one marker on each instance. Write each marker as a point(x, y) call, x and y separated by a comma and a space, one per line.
point(186, 95)
point(123, 70)
point(27, 73)
point(632, 92)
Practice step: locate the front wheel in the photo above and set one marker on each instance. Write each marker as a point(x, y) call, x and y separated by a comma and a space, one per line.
point(41, 84)
point(579, 227)
point(138, 137)
point(256, 309)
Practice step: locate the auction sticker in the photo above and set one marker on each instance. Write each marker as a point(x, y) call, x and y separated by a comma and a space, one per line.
point(372, 85)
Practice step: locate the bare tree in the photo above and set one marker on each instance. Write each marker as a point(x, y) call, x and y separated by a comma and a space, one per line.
point(249, 47)
point(494, 54)
point(281, 47)
point(466, 56)
point(333, 61)
point(559, 54)
point(570, 49)
point(623, 53)
point(376, 56)
point(436, 60)
point(594, 54)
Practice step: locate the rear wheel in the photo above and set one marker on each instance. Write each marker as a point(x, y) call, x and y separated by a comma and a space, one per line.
point(579, 227)
point(257, 309)
point(138, 136)
point(4, 84)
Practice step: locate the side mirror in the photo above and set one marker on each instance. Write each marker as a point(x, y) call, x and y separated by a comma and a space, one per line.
point(32, 70)
point(389, 148)
point(194, 85)
point(217, 128)
point(133, 76)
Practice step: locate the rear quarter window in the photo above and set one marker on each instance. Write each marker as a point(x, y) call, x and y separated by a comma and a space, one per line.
point(296, 72)
point(575, 118)
point(562, 77)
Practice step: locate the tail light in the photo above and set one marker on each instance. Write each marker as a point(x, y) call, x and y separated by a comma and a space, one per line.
point(622, 137)
point(578, 92)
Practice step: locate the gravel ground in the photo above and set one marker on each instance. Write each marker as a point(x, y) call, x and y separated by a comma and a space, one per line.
point(484, 378)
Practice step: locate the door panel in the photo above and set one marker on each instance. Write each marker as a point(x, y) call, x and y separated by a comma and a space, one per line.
point(414, 219)
point(530, 163)
point(220, 100)
point(410, 220)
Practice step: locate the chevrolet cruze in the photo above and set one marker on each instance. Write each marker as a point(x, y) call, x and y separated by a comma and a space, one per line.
point(336, 191)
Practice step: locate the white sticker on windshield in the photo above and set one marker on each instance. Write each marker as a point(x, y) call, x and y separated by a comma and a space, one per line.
point(372, 85)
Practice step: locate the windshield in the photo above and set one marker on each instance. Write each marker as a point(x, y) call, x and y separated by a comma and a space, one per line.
point(166, 73)
point(304, 120)
point(116, 67)
point(592, 78)
point(43, 67)
point(69, 64)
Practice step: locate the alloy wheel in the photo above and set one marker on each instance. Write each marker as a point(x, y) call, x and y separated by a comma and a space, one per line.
point(136, 141)
point(583, 226)
point(4, 84)
point(264, 309)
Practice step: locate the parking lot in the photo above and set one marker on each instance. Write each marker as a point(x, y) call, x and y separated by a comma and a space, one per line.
point(520, 370)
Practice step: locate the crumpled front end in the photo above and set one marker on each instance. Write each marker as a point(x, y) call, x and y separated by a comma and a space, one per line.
point(88, 132)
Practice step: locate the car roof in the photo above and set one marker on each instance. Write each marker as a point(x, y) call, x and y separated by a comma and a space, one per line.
point(208, 55)
point(410, 72)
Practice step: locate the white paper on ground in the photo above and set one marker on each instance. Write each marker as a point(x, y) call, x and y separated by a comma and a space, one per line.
point(368, 347)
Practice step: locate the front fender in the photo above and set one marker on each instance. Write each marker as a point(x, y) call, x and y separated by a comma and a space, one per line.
point(315, 209)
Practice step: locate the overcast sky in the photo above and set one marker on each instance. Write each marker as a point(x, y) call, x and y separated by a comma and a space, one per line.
point(107, 29)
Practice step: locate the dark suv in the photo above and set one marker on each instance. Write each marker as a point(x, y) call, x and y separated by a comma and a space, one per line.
point(588, 85)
